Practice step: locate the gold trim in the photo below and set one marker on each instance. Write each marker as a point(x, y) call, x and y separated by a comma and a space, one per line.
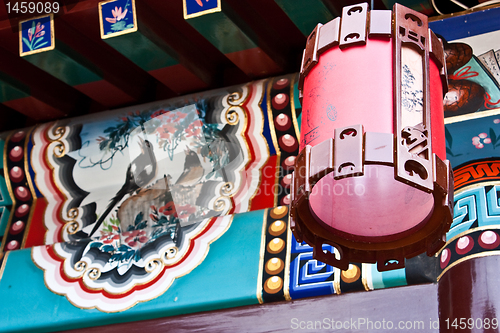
point(4, 262)
point(205, 12)
point(472, 256)
point(30, 185)
point(292, 105)
point(59, 148)
point(288, 256)
point(336, 277)
point(43, 49)
point(364, 272)
point(9, 188)
point(119, 33)
point(263, 244)
point(470, 116)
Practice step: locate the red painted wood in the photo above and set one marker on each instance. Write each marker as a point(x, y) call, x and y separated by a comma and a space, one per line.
point(36, 232)
point(171, 11)
point(470, 290)
point(255, 62)
point(415, 305)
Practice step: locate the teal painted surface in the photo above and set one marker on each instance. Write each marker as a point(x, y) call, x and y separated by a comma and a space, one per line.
point(4, 220)
point(5, 199)
point(223, 33)
point(226, 278)
point(388, 279)
point(142, 51)
point(65, 64)
point(306, 14)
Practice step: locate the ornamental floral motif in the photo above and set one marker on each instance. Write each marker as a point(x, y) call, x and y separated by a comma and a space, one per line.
point(480, 140)
point(36, 37)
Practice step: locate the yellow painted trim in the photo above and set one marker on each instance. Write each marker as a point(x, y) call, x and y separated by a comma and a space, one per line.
point(286, 287)
point(261, 258)
point(4, 262)
point(470, 116)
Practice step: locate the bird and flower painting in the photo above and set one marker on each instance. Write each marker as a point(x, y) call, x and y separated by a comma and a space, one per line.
point(137, 197)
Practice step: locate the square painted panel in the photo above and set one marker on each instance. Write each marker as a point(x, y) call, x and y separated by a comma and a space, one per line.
point(36, 35)
point(194, 8)
point(117, 17)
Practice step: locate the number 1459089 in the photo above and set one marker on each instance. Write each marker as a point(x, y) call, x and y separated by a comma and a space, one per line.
point(471, 323)
point(23, 7)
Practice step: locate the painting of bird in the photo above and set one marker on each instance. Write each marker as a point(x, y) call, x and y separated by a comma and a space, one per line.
point(193, 170)
point(140, 172)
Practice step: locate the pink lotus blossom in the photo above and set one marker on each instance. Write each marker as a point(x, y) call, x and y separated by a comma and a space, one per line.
point(117, 15)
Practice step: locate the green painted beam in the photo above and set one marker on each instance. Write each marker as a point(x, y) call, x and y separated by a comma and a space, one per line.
point(65, 64)
point(223, 32)
point(306, 14)
point(142, 51)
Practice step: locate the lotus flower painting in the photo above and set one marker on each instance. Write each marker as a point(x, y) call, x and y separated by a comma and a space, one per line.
point(117, 17)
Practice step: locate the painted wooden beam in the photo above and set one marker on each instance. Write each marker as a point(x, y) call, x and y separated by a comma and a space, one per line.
point(53, 98)
point(269, 32)
point(77, 61)
point(219, 23)
point(145, 42)
point(16, 98)
point(227, 72)
point(306, 14)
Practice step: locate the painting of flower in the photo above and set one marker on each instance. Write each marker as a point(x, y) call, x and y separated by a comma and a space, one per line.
point(117, 17)
point(35, 35)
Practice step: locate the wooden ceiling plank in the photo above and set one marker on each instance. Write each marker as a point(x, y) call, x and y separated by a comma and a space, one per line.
point(83, 64)
point(85, 20)
point(227, 72)
point(225, 29)
point(44, 87)
point(306, 14)
point(265, 33)
point(131, 83)
point(142, 45)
